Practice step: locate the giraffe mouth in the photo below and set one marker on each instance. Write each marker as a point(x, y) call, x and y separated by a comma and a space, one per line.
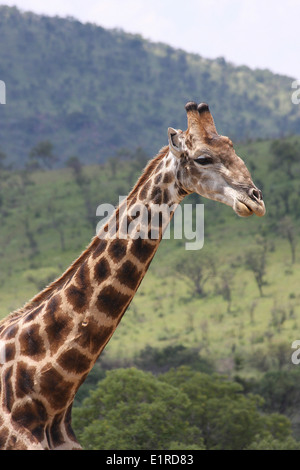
point(244, 209)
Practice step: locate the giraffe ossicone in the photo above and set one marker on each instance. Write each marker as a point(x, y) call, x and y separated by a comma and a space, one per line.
point(48, 347)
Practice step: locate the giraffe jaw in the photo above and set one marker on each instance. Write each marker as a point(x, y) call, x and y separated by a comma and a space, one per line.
point(244, 209)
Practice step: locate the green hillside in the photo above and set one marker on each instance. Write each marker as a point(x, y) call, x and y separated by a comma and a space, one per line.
point(48, 217)
point(85, 109)
point(91, 91)
point(240, 325)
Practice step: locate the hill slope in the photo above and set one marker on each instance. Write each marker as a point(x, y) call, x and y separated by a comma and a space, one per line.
point(47, 218)
point(90, 90)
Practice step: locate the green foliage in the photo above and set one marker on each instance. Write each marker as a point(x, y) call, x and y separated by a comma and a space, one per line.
point(280, 390)
point(67, 81)
point(287, 230)
point(91, 91)
point(42, 151)
point(286, 157)
point(160, 360)
point(2, 158)
point(255, 261)
point(130, 409)
point(181, 409)
point(227, 419)
point(197, 274)
point(269, 443)
point(45, 221)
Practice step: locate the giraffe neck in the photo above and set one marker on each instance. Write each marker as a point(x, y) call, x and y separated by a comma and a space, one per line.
point(56, 338)
point(105, 282)
point(127, 243)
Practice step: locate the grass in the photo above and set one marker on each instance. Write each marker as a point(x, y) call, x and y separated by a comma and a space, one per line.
point(164, 311)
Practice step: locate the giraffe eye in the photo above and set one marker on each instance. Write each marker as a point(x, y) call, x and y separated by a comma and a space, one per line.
point(203, 160)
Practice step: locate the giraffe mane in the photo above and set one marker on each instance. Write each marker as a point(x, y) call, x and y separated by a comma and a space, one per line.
point(152, 164)
point(47, 291)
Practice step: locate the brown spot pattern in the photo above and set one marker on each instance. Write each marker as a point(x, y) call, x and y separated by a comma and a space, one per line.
point(10, 351)
point(101, 270)
point(168, 177)
point(82, 276)
point(74, 361)
point(129, 275)
point(142, 250)
point(117, 249)
point(144, 191)
point(77, 298)
point(93, 337)
point(57, 328)
point(156, 195)
point(32, 416)
point(11, 332)
point(68, 427)
point(24, 379)
point(100, 247)
point(112, 302)
point(157, 178)
point(55, 432)
point(166, 196)
point(31, 343)
point(3, 437)
point(33, 314)
point(54, 387)
point(53, 304)
point(8, 398)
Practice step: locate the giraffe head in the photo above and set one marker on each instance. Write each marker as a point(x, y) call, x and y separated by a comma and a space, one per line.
point(208, 165)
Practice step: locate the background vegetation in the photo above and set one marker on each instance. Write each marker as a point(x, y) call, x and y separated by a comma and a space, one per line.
point(91, 91)
point(229, 312)
point(202, 358)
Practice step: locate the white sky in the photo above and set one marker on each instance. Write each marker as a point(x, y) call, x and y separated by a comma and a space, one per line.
point(257, 33)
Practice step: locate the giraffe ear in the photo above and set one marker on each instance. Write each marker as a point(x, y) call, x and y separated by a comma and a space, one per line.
point(175, 142)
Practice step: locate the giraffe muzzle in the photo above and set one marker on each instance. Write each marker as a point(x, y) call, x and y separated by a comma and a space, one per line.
point(250, 204)
point(255, 194)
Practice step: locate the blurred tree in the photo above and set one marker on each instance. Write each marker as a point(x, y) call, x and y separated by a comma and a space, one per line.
point(224, 288)
point(83, 182)
point(197, 272)
point(43, 152)
point(269, 443)
point(280, 390)
point(74, 163)
point(3, 157)
point(227, 418)
point(131, 409)
point(285, 155)
point(255, 261)
point(180, 409)
point(161, 360)
point(58, 221)
point(287, 229)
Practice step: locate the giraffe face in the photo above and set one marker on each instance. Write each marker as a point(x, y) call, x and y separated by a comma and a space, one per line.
point(208, 165)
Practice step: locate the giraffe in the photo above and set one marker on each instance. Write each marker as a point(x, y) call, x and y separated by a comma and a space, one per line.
point(49, 345)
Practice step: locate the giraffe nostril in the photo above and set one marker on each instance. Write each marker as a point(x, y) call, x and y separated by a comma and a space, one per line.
point(255, 194)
